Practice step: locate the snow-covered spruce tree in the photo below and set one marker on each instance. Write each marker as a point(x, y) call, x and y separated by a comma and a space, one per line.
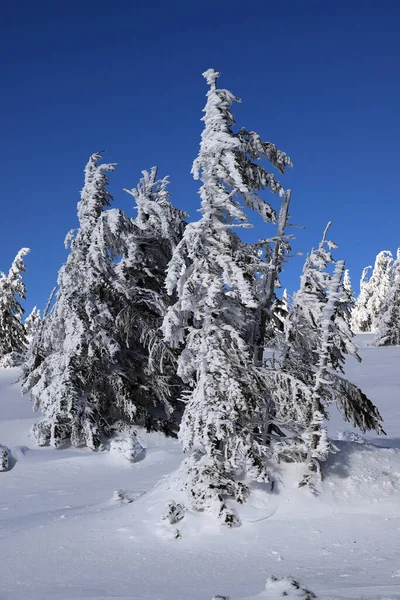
point(348, 296)
point(347, 285)
point(72, 384)
point(388, 324)
point(37, 348)
point(211, 279)
point(146, 247)
point(379, 285)
point(316, 341)
point(12, 331)
point(90, 374)
point(32, 323)
point(360, 318)
point(369, 305)
point(283, 308)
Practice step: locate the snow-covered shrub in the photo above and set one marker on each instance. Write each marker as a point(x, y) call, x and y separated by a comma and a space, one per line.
point(175, 513)
point(286, 586)
point(350, 436)
point(127, 446)
point(4, 458)
point(276, 587)
point(121, 497)
point(13, 359)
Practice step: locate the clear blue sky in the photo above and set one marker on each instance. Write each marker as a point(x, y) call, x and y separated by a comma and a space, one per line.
point(318, 78)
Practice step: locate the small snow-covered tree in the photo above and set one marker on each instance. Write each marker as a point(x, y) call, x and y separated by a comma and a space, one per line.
point(210, 274)
point(347, 284)
point(316, 341)
point(360, 318)
point(12, 331)
point(368, 306)
point(379, 285)
point(348, 296)
point(37, 346)
point(388, 323)
point(32, 323)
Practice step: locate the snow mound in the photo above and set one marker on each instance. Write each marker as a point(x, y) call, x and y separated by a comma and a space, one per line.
point(128, 447)
point(350, 436)
point(358, 479)
point(363, 476)
point(285, 587)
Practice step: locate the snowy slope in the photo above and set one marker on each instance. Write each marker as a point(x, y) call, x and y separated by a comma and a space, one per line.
point(64, 536)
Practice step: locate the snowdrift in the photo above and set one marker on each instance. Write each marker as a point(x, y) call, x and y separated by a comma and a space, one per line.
point(78, 524)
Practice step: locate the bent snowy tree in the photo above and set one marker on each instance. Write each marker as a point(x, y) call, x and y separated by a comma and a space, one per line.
point(317, 337)
point(214, 288)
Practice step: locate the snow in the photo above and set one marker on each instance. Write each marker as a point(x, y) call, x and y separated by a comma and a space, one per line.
point(66, 534)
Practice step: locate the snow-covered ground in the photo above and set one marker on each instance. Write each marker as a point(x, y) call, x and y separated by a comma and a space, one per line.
point(64, 535)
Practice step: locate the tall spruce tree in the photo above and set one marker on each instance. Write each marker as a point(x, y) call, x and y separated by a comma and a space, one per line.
point(74, 383)
point(316, 341)
point(209, 272)
point(12, 332)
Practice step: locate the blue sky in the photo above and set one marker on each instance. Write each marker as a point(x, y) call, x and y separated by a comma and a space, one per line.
point(318, 78)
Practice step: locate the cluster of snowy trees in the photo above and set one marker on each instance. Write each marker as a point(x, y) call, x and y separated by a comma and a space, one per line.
point(377, 308)
point(163, 324)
